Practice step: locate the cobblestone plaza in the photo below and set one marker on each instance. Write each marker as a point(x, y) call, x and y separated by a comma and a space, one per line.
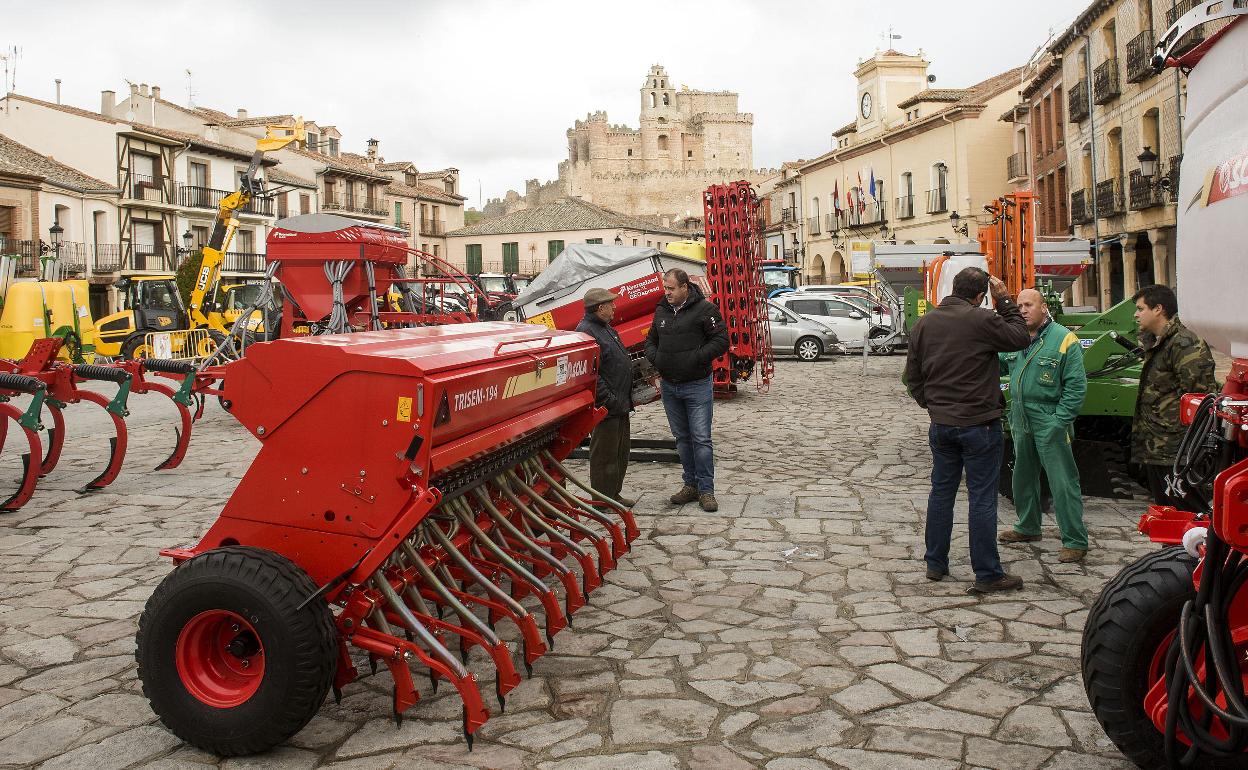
point(791, 630)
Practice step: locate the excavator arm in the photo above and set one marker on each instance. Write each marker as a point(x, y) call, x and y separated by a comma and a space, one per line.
point(276, 138)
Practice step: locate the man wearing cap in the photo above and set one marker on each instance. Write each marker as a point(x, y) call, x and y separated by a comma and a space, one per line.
point(608, 447)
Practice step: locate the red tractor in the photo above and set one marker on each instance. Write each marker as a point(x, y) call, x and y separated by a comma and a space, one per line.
point(1165, 647)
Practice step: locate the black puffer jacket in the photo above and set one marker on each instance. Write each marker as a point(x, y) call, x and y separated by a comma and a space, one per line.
point(682, 345)
point(615, 369)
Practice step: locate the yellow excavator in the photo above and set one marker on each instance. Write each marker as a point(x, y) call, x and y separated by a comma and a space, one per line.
point(153, 321)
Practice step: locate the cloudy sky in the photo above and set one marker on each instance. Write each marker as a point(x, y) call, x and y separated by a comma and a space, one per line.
point(490, 86)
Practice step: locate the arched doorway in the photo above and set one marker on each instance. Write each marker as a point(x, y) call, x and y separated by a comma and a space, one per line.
point(836, 268)
point(1144, 272)
point(817, 274)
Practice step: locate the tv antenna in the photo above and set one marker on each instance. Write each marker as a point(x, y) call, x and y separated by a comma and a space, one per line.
point(10, 57)
point(887, 38)
point(190, 91)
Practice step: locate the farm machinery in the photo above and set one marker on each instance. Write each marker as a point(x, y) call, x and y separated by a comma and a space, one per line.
point(1165, 644)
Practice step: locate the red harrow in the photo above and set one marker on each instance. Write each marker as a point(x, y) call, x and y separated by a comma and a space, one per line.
point(734, 271)
point(409, 494)
point(53, 385)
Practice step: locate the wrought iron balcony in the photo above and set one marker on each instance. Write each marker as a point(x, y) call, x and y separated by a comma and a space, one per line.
point(812, 226)
point(905, 207)
point(432, 226)
point(147, 188)
point(1105, 85)
point(1109, 200)
point(243, 262)
point(194, 197)
point(1016, 166)
point(73, 256)
point(1140, 57)
point(1193, 37)
point(938, 200)
point(788, 214)
point(107, 258)
point(1175, 162)
point(336, 202)
point(832, 222)
point(1077, 102)
point(867, 214)
point(149, 258)
point(1080, 211)
point(1145, 193)
point(404, 226)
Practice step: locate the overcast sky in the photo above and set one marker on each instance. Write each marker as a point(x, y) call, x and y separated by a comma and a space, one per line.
point(490, 86)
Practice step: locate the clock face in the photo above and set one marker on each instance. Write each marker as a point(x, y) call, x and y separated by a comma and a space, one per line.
point(866, 106)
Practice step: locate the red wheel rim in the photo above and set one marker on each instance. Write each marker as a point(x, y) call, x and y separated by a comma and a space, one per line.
point(220, 658)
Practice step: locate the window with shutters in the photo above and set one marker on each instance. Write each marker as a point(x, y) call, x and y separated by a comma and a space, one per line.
point(6, 222)
point(472, 258)
point(553, 249)
point(282, 212)
point(511, 257)
point(305, 204)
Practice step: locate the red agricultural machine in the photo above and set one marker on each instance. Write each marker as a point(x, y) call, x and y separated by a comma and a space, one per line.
point(408, 505)
point(1165, 647)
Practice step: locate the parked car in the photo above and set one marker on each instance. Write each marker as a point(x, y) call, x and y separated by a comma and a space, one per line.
point(850, 322)
point(804, 338)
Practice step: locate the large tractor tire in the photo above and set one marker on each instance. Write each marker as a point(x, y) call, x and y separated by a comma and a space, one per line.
point(1125, 640)
point(230, 663)
point(135, 348)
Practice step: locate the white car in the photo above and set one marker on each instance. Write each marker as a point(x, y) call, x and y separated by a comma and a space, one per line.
point(850, 321)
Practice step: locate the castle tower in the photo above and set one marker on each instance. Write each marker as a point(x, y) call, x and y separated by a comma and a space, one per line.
point(661, 123)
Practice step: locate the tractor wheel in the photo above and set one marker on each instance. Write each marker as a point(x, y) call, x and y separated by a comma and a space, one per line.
point(808, 349)
point(135, 348)
point(230, 663)
point(1125, 640)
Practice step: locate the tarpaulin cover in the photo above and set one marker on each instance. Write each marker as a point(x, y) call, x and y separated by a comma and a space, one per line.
point(579, 263)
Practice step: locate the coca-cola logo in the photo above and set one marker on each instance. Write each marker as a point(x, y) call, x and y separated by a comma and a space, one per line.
point(1229, 179)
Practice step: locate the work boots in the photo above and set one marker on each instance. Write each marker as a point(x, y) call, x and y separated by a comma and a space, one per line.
point(687, 494)
point(709, 504)
point(1010, 536)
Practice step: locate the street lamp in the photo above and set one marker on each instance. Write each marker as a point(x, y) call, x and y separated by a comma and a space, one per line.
point(618, 240)
point(187, 237)
point(1148, 163)
point(955, 219)
point(57, 234)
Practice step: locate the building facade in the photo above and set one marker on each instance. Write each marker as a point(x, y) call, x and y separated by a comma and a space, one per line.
point(783, 212)
point(686, 140)
point(916, 165)
point(1120, 112)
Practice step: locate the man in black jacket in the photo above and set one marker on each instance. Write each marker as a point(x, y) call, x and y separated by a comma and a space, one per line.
point(609, 445)
point(687, 335)
point(952, 371)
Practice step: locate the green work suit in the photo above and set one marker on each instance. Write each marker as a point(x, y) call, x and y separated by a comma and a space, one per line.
point(1047, 386)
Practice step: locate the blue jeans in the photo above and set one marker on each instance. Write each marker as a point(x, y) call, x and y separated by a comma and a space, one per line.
point(688, 406)
point(978, 450)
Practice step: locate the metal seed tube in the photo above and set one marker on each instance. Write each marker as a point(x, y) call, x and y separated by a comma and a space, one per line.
point(505, 523)
point(516, 567)
point(571, 499)
point(588, 489)
point(495, 593)
point(541, 524)
point(554, 512)
point(427, 576)
point(416, 627)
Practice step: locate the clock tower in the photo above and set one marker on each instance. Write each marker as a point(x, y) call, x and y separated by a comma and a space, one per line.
point(885, 79)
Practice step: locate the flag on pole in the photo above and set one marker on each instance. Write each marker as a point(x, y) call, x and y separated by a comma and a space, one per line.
point(872, 188)
point(836, 197)
point(862, 203)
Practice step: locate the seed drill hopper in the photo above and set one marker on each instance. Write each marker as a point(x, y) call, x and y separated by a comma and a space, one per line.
point(409, 504)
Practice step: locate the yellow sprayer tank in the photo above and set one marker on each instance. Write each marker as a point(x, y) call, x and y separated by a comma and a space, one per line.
point(38, 309)
point(689, 249)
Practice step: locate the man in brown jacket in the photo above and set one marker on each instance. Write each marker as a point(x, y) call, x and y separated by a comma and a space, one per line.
point(953, 372)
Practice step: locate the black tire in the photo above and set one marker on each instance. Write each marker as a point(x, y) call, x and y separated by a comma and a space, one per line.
point(298, 647)
point(134, 348)
point(1134, 615)
point(808, 349)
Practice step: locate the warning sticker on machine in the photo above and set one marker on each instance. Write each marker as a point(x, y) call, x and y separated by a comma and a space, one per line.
point(404, 412)
point(545, 319)
point(561, 370)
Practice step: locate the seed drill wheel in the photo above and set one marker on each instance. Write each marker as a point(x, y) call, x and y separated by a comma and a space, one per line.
point(1125, 640)
point(229, 662)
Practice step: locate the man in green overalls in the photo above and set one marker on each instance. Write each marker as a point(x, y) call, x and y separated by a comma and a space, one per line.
point(1047, 385)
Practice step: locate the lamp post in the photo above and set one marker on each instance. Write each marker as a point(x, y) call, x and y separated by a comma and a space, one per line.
point(959, 227)
point(57, 234)
point(619, 240)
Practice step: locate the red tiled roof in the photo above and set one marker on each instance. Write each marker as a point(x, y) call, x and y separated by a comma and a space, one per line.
point(64, 108)
point(27, 162)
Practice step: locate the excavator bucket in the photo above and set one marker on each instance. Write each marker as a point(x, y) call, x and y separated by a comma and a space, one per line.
point(410, 486)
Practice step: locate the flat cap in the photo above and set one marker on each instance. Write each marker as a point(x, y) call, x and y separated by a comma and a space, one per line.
point(596, 297)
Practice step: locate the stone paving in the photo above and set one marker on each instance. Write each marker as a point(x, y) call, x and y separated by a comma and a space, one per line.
point(792, 630)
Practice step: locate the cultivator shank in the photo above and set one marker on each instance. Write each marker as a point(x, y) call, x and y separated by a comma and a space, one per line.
point(414, 477)
point(53, 384)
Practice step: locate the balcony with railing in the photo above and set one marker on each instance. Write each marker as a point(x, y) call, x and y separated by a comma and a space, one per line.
point(432, 226)
point(404, 226)
point(243, 262)
point(1144, 193)
point(146, 257)
point(938, 200)
point(1109, 200)
point(832, 222)
point(1175, 162)
point(335, 201)
point(1016, 166)
point(1080, 210)
point(107, 258)
point(905, 207)
point(1140, 57)
point(812, 226)
point(1196, 35)
point(147, 188)
point(788, 214)
point(195, 197)
point(1105, 85)
point(865, 214)
point(1077, 102)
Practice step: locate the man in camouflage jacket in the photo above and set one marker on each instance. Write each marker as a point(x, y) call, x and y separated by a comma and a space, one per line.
point(1176, 361)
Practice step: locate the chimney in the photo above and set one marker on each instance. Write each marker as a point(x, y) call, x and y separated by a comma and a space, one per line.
point(242, 114)
point(156, 92)
point(372, 150)
point(143, 90)
point(58, 90)
point(134, 90)
point(108, 100)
